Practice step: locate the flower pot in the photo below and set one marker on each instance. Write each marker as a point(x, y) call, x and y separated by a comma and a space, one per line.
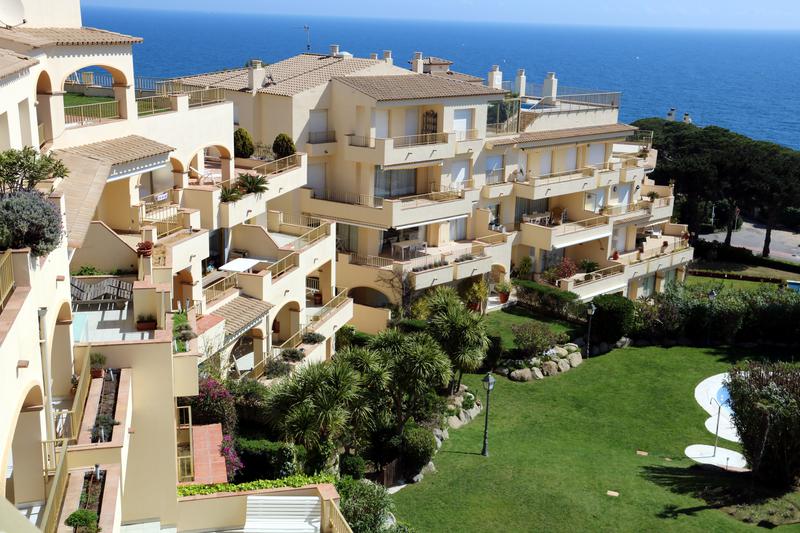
point(146, 325)
point(96, 372)
point(474, 306)
point(503, 297)
point(317, 298)
point(615, 255)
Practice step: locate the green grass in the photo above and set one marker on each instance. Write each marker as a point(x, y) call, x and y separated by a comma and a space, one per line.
point(71, 99)
point(557, 445)
point(731, 283)
point(746, 270)
point(499, 323)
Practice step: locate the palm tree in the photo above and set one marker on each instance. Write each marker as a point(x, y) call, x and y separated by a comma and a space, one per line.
point(252, 184)
point(442, 298)
point(462, 335)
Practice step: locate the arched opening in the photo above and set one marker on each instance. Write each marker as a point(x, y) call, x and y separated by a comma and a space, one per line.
point(286, 323)
point(211, 165)
point(61, 363)
point(369, 297)
point(95, 94)
point(23, 465)
point(497, 274)
point(44, 107)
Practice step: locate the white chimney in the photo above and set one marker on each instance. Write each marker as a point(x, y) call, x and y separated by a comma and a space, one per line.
point(495, 78)
point(334, 50)
point(387, 56)
point(417, 63)
point(671, 114)
point(550, 88)
point(373, 55)
point(687, 118)
point(520, 82)
point(256, 75)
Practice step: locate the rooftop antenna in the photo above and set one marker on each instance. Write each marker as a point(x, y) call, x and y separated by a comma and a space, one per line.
point(306, 28)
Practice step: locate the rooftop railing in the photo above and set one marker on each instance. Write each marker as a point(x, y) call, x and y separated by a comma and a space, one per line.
point(321, 137)
point(280, 165)
point(88, 114)
point(152, 105)
point(7, 283)
point(217, 289)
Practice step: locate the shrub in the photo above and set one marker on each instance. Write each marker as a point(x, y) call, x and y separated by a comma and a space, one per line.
point(233, 464)
point(21, 170)
point(614, 317)
point(348, 336)
point(312, 338)
point(250, 184)
point(534, 337)
point(103, 426)
point(365, 505)
point(242, 143)
point(29, 220)
point(265, 459)
point(549, 299)
point(292, 354)
point(295, 481)
point(468, 402)
point(588, 266)
point(229, 193)
point(250, 398)
point(214, 403)
point(89, 270)
point(83, 520)
point(275, 367)
point(477, 293)
point(566, 268)
point(352, 465)
point(283, 146)
point(765, 400)
point(418, 448)
point(503, 287)
point(97, 360)
point(525, 267)
point(410, 325)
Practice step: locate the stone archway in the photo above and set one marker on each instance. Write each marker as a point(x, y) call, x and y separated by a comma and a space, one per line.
point(24, 455)
point(286, 322)
point(209, 164)
point(61, 362)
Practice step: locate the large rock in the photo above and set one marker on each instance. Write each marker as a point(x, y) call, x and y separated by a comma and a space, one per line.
point(537, 373)
point(574, 359)
point(503, 371)
point(549, 368)
point(561, 352)
point(523, 374)
point(475, 411)
point(441, 434)
point(429, 468)
point(464, 416)
point(623, 342)
point(572, 347)
point(417, 478)
point(563, 365)
point(454, 422)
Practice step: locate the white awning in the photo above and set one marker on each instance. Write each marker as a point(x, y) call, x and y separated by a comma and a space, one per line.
point(241, 264)
point(428, 222)
point(421, 164)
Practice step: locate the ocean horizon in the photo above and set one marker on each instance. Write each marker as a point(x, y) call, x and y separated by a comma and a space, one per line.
point(738, 79)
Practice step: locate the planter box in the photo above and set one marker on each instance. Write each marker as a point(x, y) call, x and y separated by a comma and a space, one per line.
point(146, 325)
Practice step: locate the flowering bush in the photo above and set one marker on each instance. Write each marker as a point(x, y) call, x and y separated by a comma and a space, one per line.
point(566, 268)
point(29, 220)
point(214, 403)
point(232, 462)
point(262, 484)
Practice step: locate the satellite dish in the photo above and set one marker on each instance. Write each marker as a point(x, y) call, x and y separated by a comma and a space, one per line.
point(12, 13)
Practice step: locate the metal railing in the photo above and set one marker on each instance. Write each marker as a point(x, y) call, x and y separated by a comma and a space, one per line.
point(558, 177)
point(467, 135)
point(366, 200)
point(54, 459)
point(575, 98)
point(310, 237)
point(361, 141)
point(151, 105)
point(91, 113)
point(279, 165)
point(7, 283)
point(165, 218)
point(321, 137)
point(597, 275)
point(337, 522)
point(292, 342)
point(282, 266)
point(493, 177)
point(420, 139)
point(444, 195)
point(575, 226)
point(502, 128)
point(74, 416)
point(201, 97)
point(614, 210)
point(186, 461)
point(334, 303)
point(303, 221)
point(217, 289)
point(371, 260)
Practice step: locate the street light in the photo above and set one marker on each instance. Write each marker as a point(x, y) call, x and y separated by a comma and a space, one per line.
point(488, 384)
point(589, 311)
point(712, 295)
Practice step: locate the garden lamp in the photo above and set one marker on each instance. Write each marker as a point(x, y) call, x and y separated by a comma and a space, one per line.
point(488, 385)
point(590, 312)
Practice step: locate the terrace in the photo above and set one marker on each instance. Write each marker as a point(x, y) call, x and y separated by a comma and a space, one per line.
point(402, 150)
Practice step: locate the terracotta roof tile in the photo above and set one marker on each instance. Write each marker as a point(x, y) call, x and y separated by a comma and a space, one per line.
point(12, 62)
point(287, 77)
point(120, 150)
point(460, 76)
point(82, 189)
point(39, 37)
point(554, 135)
point(415, 87)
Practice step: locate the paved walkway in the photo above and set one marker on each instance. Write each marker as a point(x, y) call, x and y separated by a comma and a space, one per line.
point(785, 244)
point(209, 464)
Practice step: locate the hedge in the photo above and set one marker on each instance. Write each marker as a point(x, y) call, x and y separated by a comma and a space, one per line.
point(548, 298)
point(717, 251)
point(613, 318)
point(296, 481)
point(411, 325)
point(264, 459)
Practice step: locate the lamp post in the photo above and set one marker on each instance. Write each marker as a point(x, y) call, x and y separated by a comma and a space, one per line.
point(712, 295)
point(488, 384)
point(590, 312)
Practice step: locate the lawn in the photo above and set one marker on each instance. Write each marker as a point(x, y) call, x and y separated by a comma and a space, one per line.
point(499, 323)
point(71, 99)
point(557, 445)
point(730, 283)
point(746, 270)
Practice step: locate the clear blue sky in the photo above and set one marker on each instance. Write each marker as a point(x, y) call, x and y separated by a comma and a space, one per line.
point(719, 14)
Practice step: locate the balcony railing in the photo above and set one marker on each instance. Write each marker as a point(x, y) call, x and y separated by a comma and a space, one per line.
point(348, 198)
point(467, 135)
point(592, 277)
point(72, 418)
point(289, 262)
point(217, 289)
point(91, 113)
point(321, 137)
point(335, 303)
point(151, 105)
point(6, 278)
point(371, 260)
point(493, 177)
point(444, 195)
point(310, 237)
point(337, 524)
point(280, 165)
point(201, 97)
point(54, 456)
point(420, 139)
point(361, 141)
point(569, 228)
point(615, 210)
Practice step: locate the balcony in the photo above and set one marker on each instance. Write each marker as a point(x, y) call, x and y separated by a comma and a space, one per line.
point(536, 187)
point(408, 149)
point(628, 212)
point(610, 278)
point(657, 254)
point(545, 235)
point(76, 116)
point(497, 184)
point(468, 141)
point(321, 143)
point(388, 212)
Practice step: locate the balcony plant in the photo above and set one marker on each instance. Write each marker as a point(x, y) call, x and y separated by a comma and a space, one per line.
point(250, 184)
point(29, 220)
point(312, 338)
point(464, 257)
point(589, 266)
point(653, 195)
point(97, 362)
point(292, 355)
point(230, 193)
point(83, 521)
point(103, 425)
point(146, 322)
point(283, 146)
point(477, 293)
point(144, 249)
point(503, 291)
point(243, 143)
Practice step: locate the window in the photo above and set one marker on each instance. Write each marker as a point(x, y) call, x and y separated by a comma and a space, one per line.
point(525, 206)
point(316, 178)
point(546, 162)
point(346, 237)
point(494, 169)
point(394, 183)
point(670, 276)
point(570, 161)
point(458, 229)
point(459, 173)
point(595, 200)
point(462, 122)
point(648, 286)
point(412, 121)
point(597, 154)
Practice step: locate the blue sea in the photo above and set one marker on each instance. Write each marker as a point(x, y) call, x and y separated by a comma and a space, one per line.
point(746, 81)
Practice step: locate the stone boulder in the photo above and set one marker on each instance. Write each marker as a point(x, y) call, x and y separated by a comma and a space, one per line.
point(561, 352)
point(454, 422)
point(416, 479)
point(549, 368)
point(441, 434)
point(536, 372)
point(574, 359)
point(572, 347)
point(563, 365)
point(429, 468)
point(623, 342)
point(475, 411)
point(503, 371)
point(523, 374)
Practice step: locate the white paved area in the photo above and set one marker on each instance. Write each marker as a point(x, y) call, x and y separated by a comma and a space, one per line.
point(108, 324)
point(721, 457)
point(706, 395)
point(785, 244)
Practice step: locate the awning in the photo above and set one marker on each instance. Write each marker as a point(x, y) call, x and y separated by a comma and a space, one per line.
point(421, 164)
point(241, 314)
point(241, 264)
point(82, 189)
point(428, 222)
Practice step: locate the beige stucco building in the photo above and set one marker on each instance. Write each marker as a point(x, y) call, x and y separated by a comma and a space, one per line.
point(151, 234)
point(437, 177)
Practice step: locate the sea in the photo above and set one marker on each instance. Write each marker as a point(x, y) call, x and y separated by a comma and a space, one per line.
point(747, 81)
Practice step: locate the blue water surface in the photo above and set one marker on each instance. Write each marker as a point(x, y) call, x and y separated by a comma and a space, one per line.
point(745, 81)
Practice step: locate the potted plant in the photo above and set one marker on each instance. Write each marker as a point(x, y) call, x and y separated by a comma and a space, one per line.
point(312, 338)
point(146, 323)
point(96, 363)
point(74, 381)
point(503, 291)
point(144, 249)
point(653, 195)
point(476, 295)
point(615, 255)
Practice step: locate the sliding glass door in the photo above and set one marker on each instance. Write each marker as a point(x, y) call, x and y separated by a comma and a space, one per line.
point(394, 183)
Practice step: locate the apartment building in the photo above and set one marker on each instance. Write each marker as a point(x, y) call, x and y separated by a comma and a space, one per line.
point(437, 177)
point(159, 228)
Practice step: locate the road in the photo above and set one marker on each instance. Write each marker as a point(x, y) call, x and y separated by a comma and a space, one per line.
point(785, 244)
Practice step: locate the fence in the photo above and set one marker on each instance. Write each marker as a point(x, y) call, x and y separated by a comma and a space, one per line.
point(279, 165)
point(151, 105)
point(201, 97)
point(370, 260)
point(91, 113)
point(321, 137)
point(337, 524)
point(6, 277)
point(217, 289)
point(186, 460)
point(420, 139)
point(54, 457)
